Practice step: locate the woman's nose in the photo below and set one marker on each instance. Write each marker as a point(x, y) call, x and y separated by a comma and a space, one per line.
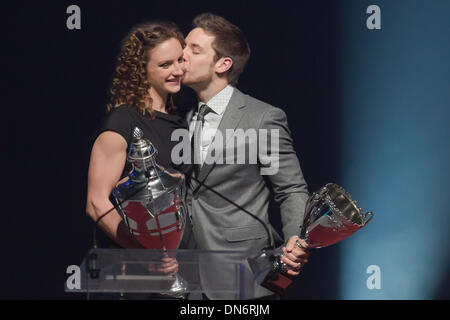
point(185, 55)
point(179, 69)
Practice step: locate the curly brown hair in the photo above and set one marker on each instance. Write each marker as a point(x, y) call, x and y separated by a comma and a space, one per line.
point(130, 85)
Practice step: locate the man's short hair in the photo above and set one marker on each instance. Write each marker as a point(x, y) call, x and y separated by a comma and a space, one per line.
point(229, 41)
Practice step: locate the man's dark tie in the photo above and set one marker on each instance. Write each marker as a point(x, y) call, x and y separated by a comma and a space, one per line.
point(197, 138)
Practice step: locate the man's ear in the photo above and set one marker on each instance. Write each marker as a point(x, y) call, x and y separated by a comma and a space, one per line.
point(223, 65)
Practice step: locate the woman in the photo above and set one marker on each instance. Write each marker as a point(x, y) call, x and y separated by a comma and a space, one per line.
point(149, 71)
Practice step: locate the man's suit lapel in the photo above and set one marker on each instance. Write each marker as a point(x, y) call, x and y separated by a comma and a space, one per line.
point(231, 117)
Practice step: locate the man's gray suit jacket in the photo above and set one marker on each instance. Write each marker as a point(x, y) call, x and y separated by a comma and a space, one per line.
point(217, 224)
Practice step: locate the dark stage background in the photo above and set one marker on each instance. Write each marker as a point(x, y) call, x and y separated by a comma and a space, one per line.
point(55, 92)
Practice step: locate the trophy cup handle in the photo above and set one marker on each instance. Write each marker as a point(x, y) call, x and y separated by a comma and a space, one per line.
point(370, 215)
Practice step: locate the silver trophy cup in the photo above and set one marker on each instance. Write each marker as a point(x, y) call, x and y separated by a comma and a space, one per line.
point(331, 215)
point(151, 203)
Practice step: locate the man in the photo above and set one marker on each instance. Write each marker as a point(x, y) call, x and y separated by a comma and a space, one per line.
point(216, 53)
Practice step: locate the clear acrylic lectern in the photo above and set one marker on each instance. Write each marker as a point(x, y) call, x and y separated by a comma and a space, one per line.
point(131, 273)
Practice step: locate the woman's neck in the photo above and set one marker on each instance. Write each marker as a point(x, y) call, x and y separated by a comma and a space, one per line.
point(158, 100)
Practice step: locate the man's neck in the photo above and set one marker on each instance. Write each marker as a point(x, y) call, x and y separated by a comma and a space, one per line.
point(208, 92)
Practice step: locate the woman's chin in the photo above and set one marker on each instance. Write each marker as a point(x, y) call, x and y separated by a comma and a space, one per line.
point(173, 89)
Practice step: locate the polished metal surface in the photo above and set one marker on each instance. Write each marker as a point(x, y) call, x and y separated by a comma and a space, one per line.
point(331, 215)
point(152, 205)
point(151, 201)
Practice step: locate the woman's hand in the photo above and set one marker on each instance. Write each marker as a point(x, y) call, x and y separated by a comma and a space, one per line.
point(175, 174)
point(167, 266)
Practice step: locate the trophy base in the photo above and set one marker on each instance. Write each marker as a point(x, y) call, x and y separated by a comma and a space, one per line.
point(277, 282)
point(266, 268)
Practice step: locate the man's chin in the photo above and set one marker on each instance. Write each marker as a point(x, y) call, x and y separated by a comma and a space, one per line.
point(187, 81)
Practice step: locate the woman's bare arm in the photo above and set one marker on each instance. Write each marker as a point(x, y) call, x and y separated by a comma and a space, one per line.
point(108, 158)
